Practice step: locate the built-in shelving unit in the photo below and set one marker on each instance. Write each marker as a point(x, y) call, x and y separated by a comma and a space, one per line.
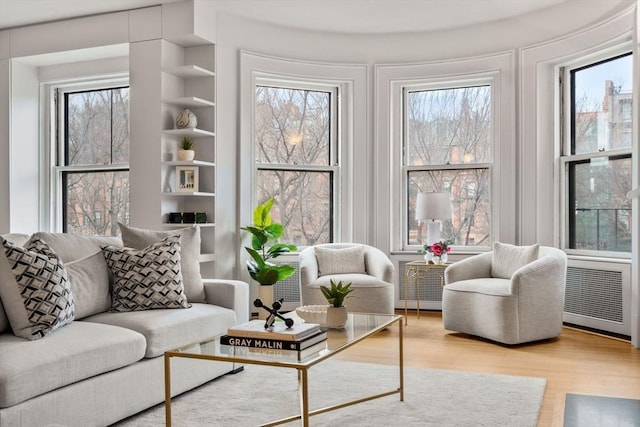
point(188, 82)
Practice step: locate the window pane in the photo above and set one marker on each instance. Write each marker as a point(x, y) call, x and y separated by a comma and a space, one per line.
point(95, 202)
point(97, 127)
point(470, 205)
point(292, 126)
point(303, 204)
point(601, 97)
point(601, 219)
point(448, 126)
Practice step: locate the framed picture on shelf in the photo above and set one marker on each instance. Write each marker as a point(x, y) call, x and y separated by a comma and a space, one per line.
point(186, 179)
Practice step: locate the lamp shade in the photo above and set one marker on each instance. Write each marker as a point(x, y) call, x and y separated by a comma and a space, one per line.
point(433, 206)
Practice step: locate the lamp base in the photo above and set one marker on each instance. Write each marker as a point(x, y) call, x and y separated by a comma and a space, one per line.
point(433, 232)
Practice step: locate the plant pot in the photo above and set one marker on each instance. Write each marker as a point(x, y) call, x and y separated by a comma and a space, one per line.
point(265, 293)
point(186, 155)
point(336, 317)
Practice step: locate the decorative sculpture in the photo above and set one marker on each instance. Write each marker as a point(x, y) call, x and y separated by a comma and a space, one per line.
point(273, 313)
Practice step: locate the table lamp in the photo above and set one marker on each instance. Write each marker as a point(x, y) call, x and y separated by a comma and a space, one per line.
point(433, 206)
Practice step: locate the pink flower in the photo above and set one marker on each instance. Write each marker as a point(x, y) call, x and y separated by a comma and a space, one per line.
point(436, 249)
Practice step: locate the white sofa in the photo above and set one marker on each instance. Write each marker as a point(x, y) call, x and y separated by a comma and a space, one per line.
point(107, 366)
point(511, 295)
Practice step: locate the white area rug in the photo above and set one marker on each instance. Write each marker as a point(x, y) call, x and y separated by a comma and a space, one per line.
point(432, 398)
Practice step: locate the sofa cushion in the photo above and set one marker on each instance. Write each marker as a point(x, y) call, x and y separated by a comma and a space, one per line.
point(168, 329)
point(509, 258)
point(486, 286)
point(138, 238)
point(34, 289)
point(340, 260)
point(70, 247)
point(356, 280)
point(146, 279)
point(78, 351)
point(89, 278)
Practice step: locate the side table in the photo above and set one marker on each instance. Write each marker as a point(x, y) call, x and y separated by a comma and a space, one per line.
point(414, 271)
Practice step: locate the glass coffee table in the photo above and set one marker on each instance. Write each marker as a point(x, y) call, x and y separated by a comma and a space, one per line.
point(359, 327)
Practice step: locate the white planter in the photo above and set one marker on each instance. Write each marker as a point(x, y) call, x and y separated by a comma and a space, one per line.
point(186, 155)
point(265, 293)
point(336, 317)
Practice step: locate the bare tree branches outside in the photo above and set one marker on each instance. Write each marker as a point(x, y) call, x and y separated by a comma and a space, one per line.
point(95, 170)
point(294, 155)
point(448, 148)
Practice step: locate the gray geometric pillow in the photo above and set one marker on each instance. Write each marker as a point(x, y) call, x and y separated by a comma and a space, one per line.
point(35, 291)
point(148, 278)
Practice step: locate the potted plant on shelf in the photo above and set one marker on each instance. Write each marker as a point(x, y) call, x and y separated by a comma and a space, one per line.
point(264, 247)
point(336, 312)
point(185, 149)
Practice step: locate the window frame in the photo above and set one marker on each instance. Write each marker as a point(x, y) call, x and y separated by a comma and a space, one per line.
point(406, 169)
point(333, 166)
point(57, 143)
point(566, 112)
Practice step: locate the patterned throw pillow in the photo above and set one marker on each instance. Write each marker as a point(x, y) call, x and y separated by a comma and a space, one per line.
point(35, 290)
point(148, 278)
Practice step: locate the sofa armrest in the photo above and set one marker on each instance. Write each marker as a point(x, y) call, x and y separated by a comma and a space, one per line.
point(474, 267)
point(308, 266)
point(379, 265)
point(546, 275)
point(232, 294)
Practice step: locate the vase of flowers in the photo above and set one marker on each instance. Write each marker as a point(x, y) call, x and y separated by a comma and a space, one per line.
point(438, 252)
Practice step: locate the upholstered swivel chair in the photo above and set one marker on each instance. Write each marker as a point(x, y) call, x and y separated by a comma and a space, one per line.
point(512, 295)
point(367, 268)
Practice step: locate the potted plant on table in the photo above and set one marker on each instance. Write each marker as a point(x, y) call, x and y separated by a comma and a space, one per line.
point(265, 234)
point(336, 312)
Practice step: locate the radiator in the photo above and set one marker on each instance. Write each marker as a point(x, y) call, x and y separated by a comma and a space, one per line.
point(598, 296)
point(289, 289)
point(426, 287)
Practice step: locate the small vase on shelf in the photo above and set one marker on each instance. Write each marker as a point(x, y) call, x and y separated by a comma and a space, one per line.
point(186, 119)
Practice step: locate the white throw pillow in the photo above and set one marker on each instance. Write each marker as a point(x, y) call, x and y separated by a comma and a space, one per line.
point(509, 258)
point(89, 278)
point(340, 261)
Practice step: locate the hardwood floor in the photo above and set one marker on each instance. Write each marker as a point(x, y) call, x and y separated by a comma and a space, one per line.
point(575, 362)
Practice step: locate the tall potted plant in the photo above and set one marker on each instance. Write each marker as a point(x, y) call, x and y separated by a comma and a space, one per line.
point(264, 247)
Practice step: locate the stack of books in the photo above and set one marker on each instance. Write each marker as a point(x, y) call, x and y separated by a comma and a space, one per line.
point(294, 343)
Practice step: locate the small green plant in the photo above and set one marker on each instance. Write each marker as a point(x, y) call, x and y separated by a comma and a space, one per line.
point(263, 231)
point(337, 293)
point(186, 143)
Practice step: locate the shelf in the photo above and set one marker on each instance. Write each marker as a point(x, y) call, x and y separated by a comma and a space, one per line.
point(207, 257)
point(192, 132)
point(185, 225)
point(189, 101)
point(189, 193)
point(189, 163)
point(189, 71)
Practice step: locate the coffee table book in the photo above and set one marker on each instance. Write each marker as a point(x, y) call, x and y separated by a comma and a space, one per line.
point(273, 344)
point(291, 355)
point(278, 331)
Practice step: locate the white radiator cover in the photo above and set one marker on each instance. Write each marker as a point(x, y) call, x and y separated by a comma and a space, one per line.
point(598, 295)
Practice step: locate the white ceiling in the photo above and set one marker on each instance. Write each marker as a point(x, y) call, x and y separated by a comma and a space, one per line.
point(350, 16)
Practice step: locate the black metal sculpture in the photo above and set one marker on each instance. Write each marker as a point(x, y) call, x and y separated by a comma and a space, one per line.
point(273, 313)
